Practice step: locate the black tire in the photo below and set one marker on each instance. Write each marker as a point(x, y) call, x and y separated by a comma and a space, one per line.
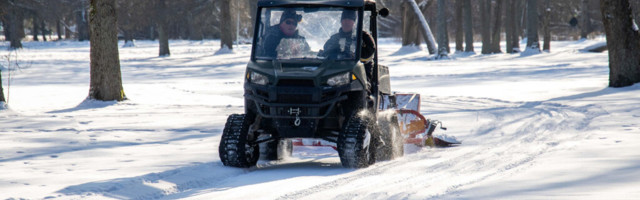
point(236, 145)
point(392, 140)
point(276, 150)
point(355, 142)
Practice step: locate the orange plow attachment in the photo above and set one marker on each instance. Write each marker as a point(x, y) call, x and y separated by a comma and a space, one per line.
point(415, 127)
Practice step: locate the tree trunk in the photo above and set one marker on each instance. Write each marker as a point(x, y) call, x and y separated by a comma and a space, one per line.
point(2, 99)
point(443, 41)
point(546, 46)
point(533, 42)
point(226, 25)
point(163, 39)
point(459, 29)
point(43, 29)
point(623, 43)
point(485, 16)
point(106, 80)
point(16, 26)
point(585, 20)
point(81, 25)
point(495, 37)
point(468, 26)
point(517, 28)
point(128, 38)
point(5, 26)
point(509, 25)
point(193, 28)
point(59, 30)
point(410, 35)
point(13, 24)
point(152, 32)
point(67, 33)
point(36, 28)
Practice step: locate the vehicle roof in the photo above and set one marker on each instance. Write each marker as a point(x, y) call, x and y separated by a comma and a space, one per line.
point(345, 3)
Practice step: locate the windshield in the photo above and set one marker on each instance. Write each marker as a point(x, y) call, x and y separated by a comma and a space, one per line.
point(328, 33)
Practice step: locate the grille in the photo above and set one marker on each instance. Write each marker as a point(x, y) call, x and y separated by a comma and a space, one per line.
point(294, 98)
point(296, 82)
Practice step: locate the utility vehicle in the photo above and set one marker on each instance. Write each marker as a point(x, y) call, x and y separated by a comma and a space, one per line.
point(300, 93)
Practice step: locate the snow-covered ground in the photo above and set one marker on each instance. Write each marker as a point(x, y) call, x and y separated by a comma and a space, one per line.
point(541, 126)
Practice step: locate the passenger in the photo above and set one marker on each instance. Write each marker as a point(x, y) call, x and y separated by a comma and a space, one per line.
point(287, 28)
point(341, 45)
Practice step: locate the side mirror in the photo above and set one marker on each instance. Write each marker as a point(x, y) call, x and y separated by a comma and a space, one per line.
point(384, 12)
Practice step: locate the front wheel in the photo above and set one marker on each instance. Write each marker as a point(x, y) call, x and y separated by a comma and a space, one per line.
point(237, 147)
point(355, 145)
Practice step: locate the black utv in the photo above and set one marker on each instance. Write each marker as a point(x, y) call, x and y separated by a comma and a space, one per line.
point(307, 78)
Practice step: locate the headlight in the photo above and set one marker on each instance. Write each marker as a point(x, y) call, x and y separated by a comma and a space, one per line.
point(339, 80)
point(257, 78)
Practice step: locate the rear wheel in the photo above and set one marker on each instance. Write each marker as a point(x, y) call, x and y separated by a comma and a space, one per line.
point(392, 140)
point(237, 147)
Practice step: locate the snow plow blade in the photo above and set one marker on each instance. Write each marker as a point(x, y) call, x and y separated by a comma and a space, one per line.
point(417, 129)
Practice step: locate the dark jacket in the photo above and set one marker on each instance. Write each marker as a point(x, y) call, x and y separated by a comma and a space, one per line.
point(271, 40)
point(333, 49)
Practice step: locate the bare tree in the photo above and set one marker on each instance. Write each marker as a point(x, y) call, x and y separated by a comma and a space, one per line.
point(410, 35)
point(443, 38)
point(459, 29)
point(226, 25)
point(43, 28)
point(13, 23)
point(485, 17)
point(546, 46)
point(106, 80)
point(2, 99)
point(495, 36)
point(129, 19)
point(468, 26)
point(2, 12)
point(533, 42)
point(509, 25)
point(54, 13)
point(517, 28)
point(36, 27)
point(82, 25)
point(585, 22)
point(163, 39)
point(623, 43)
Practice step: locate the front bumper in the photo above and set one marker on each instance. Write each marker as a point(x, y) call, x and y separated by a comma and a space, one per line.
point(291, 102)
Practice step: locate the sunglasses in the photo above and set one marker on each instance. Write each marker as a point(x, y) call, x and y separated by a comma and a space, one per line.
point(291, 22)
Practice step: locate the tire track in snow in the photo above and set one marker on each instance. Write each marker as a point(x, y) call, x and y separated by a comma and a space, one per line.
point(442, 170)
point(158, 185)
point(518, 133)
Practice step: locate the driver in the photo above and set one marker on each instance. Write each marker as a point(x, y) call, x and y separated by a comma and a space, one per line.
point(287, 28)
point(341, 44)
